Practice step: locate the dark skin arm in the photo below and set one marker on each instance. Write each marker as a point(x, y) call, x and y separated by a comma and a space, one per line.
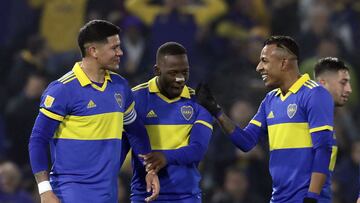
point(48, 196)
point(154, 161)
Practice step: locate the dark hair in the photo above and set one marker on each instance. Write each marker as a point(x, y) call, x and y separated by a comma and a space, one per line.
point(96, 31)
point(284, 42)
point(170, 48)
point(329, 64)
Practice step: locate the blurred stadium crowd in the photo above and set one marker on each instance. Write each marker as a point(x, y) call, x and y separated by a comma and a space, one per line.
point(223, 37)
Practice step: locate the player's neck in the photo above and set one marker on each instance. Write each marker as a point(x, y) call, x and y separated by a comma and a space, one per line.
point(93, 71)
point(289, 80)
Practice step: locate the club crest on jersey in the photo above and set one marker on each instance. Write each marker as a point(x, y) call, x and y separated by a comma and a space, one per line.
point(187, 112)
point(291, 110)
point(118, 99)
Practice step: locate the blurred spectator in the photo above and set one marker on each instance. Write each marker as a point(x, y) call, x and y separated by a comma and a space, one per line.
point(285, 17)
point(239, 65)
point(319, 27)
point(179, 21)
point(329, 46)
point(10, 190)
point(346, 175)
point(32, 59)
point(134, 68)
point(59, 25)
point(235, 189)
point(254, 162)
point(111, 10)
point(20, 114)
point(242, 17)
point(60, 22)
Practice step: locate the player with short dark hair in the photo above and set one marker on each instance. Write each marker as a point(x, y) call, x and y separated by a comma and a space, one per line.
point(297, 116)
point(334, 75)
point(82, 116)
point(179, 129)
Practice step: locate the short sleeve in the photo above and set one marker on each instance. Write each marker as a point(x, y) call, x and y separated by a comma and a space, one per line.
point(130, 112)
point(204, 117)
point(320, 110)
point(54, 101)
point(259, 119)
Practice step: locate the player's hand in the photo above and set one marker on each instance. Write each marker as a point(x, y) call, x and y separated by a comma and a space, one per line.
point(205, 98)
point(49, 197)
point(152, 185)
point(309, 200)
point(154, 161)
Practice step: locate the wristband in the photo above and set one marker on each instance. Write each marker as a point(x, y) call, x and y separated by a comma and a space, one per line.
point(313, 195)
point(44, 186)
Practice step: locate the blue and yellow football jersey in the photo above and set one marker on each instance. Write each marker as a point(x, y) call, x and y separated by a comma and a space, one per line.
point(181, 129)
point(289, 121)
point(85, 149)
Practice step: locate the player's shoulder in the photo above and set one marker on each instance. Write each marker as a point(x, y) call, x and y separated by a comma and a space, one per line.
point(116, 77)
point(313, 88)
point(64, 82)
point(310, 85)
point(66, 79)
point(141, 87)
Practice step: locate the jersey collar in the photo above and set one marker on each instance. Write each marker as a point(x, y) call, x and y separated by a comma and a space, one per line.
point(83, 78)
point(296, 86)
point(153, 88)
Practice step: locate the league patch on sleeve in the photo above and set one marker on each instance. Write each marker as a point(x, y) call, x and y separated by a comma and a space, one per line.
point(49, 100)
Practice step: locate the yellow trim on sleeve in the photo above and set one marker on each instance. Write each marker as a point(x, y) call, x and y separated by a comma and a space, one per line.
point(255, 122)
point(51, 115)
point(131, 107)
point(325, 127)
point(204, 123)
point(333, 158)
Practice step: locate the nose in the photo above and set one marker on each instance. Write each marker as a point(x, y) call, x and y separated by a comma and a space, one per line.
point(348, 88)
point(119, 52)
point(259, 67)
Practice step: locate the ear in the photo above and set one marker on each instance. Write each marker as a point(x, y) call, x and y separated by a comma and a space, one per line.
point(157, 71)
point(322, 81)
point(93, 51)
point(284, 64)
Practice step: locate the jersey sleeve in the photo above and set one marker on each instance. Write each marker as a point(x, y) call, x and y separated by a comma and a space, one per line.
point(246, 139)
point(130, 112)
point(259, 120)
point(320, 110)
point(198, 142)
point(55, 101)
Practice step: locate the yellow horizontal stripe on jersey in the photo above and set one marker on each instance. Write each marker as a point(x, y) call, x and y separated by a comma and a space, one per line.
point(204, 123)
point(163, 137)
point(51, 115)
point(289, 135)
point(333, 158)
point(255, 122)
point(325, 127)
point(93, 127)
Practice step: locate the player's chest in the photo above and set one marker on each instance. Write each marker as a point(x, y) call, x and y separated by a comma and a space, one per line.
point(288, 111)
point(160, 112)
point(91, 101)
